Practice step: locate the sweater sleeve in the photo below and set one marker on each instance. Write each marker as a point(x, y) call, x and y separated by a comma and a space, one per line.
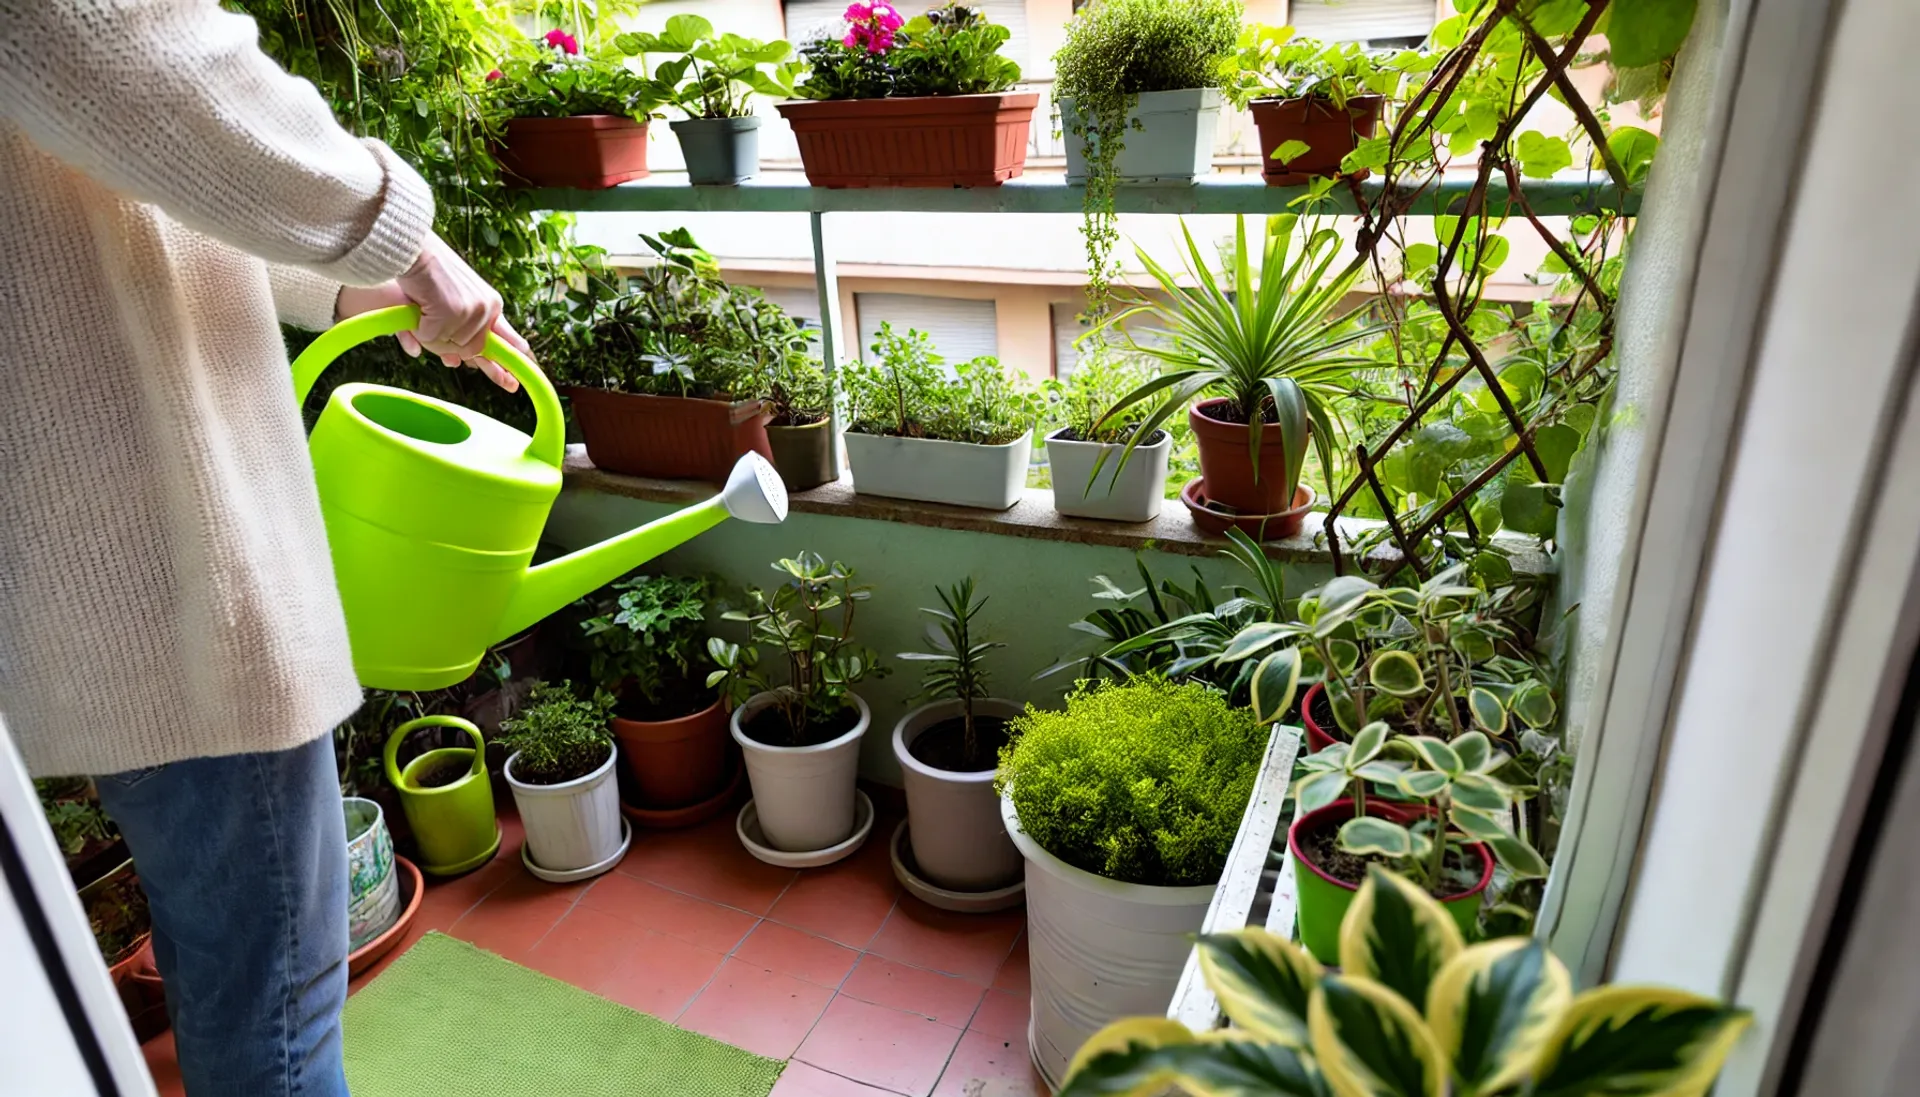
point(303, 298)
point(171, 102)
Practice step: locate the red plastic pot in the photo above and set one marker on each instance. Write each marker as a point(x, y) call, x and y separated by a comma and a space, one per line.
point(676, 763)
point(669, 437)
point(1318, 738)
point(1322, 899)
point(1328, 132)
point(589, 152)
point(921, 141)
point(1226, 462)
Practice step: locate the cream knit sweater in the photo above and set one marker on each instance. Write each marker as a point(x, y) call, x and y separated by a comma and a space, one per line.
point(167, 194)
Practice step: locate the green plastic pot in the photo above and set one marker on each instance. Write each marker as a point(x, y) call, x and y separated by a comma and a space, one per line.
point(1321, 901)
point(453, 824)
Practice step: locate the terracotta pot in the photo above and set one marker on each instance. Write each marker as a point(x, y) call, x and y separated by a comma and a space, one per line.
point(142, 993)
point(1260, 527)
point(930, 141)
point(590, 152)
point(668, 437)
point(675, 763)
point(804, 454)
point(1226, 462)
point(1329, 133)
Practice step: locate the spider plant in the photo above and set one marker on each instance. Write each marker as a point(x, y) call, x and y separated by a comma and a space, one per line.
point(1273, 346)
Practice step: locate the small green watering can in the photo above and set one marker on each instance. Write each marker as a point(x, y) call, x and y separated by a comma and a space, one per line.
point(433, 511)
point(453, 820)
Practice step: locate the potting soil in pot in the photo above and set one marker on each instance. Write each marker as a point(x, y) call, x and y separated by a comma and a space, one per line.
point(943, 746)
point(770, 726)
point(442, 773)
point(1459, 873)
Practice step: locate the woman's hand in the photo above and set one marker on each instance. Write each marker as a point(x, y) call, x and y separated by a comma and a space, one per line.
point(457, 310)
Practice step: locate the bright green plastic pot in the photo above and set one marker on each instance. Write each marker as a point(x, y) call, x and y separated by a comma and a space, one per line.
point(1321, 901)
point(453, 824)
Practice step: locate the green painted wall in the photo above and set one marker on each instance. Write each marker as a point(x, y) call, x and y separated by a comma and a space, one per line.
point(1034, 589)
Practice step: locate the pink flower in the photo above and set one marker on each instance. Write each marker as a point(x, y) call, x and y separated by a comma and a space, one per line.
point(562, 41)
point(494, 75)
point(871, 26)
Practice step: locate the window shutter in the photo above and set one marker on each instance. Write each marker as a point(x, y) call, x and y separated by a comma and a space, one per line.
point(1361, 20)
point(961, 329)
point(1066, 328)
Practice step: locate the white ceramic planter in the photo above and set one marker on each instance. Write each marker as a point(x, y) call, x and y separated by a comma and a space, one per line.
point(572, 825)
point(1135, 495)
point(933, 471)
point(953, 819)
point(802, 795)
point(1099, 949)
point(1173, 142)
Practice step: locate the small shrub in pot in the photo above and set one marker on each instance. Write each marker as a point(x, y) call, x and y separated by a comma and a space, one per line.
point(1318, 104)
point(561, 774)
point(713, 78)
point(1083, 453)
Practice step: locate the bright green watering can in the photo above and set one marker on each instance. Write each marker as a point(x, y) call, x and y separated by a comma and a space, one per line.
point(452, 820)
point(433, 511)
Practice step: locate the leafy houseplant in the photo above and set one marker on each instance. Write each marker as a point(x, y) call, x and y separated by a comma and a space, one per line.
point(1137, 86)
point(117, 912)
point(913, 432)
point(947, 751)
point(1413, 1010)
point(1275, 351)
point(573, 118)
point(712, 78)
point(1125, 805)
point(1315, 102)
point(1086, 444)
point(891, 88)
point(561, 774)
point(801, 736)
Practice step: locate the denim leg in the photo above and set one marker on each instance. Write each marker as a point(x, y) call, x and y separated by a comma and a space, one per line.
point(244, 862)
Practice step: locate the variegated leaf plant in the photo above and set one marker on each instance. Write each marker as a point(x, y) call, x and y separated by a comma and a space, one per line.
point(1413, 1012)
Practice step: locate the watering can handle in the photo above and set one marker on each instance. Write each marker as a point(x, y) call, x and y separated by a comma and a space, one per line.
point(550, 430)
point(392, 754)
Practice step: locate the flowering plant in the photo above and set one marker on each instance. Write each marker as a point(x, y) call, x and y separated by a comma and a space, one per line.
point(950, 50)
point(551, 77)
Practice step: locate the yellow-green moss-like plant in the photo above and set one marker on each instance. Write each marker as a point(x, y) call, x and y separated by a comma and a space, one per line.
point(1141, 781)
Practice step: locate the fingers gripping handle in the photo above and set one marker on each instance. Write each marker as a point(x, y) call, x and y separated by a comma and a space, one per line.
point(549, 433)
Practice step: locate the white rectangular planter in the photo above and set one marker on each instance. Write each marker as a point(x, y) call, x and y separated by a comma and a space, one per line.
point(1173, 142)
point(1135, 495)
point(933, 471)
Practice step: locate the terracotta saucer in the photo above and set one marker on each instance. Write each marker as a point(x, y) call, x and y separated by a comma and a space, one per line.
point(367, 955)
point(676, 818)
point(1261, 527)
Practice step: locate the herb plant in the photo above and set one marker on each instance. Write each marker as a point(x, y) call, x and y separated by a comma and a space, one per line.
point(907, 393)
point(1115, 50)
point(957, 659)
point(950, 50)
point(647, 634)
point(1272, 63)
point(76, 823)
point(1077, 779)
point(808, 621)
point(713, 76)
point(117, 913)
point(553, 78)
point(1080, 403)
point(559, 737)
point(1413, 1009)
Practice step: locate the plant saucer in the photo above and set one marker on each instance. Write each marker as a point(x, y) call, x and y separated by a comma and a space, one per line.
point(570, 875)
point(960, 902)
point(747, 826)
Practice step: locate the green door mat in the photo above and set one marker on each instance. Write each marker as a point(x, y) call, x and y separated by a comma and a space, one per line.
point(448, 1018)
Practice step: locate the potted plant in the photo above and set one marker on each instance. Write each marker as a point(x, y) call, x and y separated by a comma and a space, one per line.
point(919, 102)
point(1138, 89)
point(713, 78)
point(1272, 351)
point(665, 378)
point(801, 736)
point(948, 750)
point(646, 646)
point(1414, 1003)
point(87, 839)
point(561, 774)
point(1314, 102)
point(117, 911)
point(1118, 881)
point(572, 119)
point(913, 432)
point(796, 392)
point(1083, 454)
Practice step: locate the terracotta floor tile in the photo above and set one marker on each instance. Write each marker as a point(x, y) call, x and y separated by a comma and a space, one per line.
point(1013, 973)
point(883, 1047)
point(943, 998)
point(751, 1007)
point(972, 946)
point(650, 906)
point(802, 955)
point(585, 948)
point(514, 918)
point(847, 902)
point(801, 1080)
point(708, 861)
point(987, 1066)
point(659, 975)
point(1003, 1014)
point(164, 1065)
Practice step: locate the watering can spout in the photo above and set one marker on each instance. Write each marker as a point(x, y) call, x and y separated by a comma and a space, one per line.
point(754, 493)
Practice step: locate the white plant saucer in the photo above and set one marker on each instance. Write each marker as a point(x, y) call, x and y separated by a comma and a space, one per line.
point(747, 826)
point(569, 876)
point(961, 902)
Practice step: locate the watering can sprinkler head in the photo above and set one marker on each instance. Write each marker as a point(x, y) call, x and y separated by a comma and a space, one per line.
point(754, 492)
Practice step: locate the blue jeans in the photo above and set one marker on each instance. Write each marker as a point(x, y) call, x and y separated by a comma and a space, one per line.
point(244, 862)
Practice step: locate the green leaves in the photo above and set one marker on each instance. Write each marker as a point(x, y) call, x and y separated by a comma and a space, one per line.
point(1288, 151)
point(1491, 1008)
point(1637, 1042)
point(1634, 148)
point(1642, 32)
point(1273, 684)
point(1398, 673)
point(1371, 1043)
point(1263, 982)
point(1541, 156)
point(1397, 934)
point(1488, 713)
